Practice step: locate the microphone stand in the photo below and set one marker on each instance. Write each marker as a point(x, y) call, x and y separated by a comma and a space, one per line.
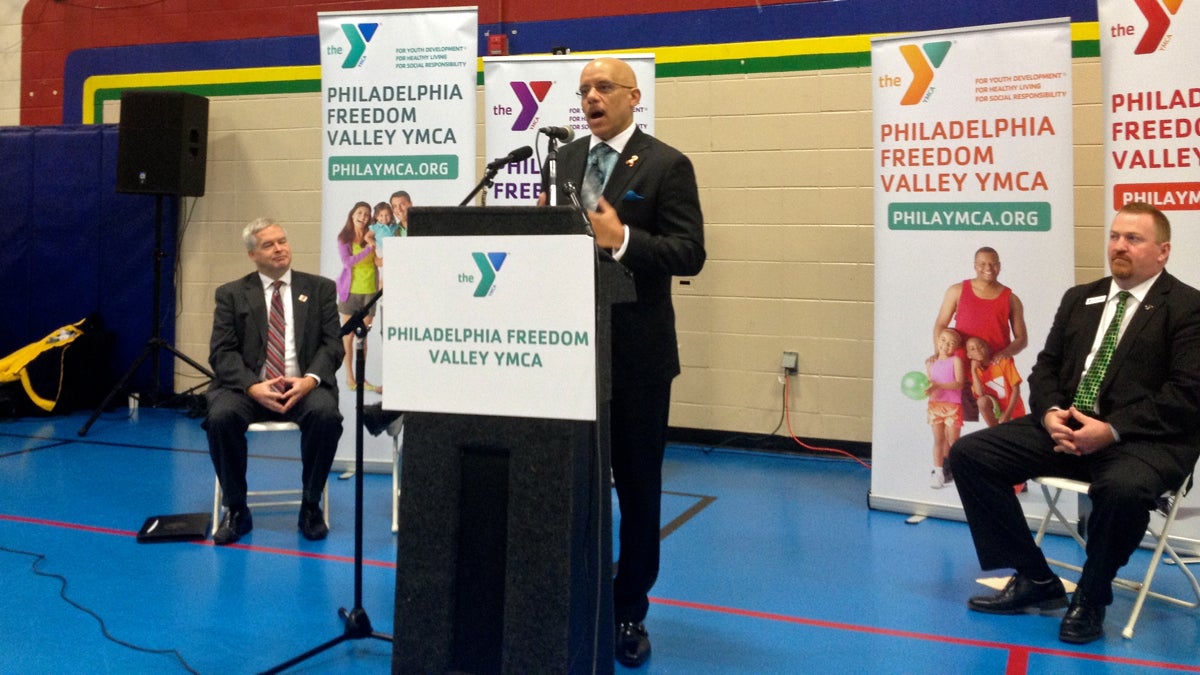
point(156, 343)
point(489, 177)
point(552, 170)
point(569, 188)
point(358, 624)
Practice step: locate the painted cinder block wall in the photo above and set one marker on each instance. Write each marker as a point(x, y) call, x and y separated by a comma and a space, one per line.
point(783, 158)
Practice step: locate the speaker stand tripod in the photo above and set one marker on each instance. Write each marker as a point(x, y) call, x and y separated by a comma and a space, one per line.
point(358, 624)
point(155, 344)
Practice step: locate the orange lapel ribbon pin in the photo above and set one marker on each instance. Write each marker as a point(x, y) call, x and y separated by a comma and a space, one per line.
point(631, 161)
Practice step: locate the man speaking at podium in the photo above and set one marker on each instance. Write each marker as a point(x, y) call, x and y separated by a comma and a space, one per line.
point(643, 204)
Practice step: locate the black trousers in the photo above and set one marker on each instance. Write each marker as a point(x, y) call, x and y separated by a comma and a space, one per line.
point(639, 439)
point(230, 412)
point(987, 463)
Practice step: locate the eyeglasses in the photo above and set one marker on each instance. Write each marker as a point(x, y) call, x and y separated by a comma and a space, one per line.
point(604, 88)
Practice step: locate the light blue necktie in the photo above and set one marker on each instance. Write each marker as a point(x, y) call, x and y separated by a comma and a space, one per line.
point(601, 160)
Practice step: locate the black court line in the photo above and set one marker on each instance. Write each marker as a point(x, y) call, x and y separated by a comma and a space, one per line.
point(26, 451)
point(59, 442)
point(702, 503)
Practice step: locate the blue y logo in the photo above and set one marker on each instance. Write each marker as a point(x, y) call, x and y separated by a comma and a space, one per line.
point(488, 264)
point(358, 36)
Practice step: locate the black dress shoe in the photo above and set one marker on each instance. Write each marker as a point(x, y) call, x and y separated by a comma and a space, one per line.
point(1084, 621)
point(312, 523)
point(633, 644)
point(1021, 595)
point(235, 523)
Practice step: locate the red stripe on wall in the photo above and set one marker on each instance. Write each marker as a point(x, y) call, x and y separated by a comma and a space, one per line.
point(51, 29)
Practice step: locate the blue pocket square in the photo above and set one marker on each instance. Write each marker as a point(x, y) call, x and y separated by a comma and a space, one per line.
point(632, 196)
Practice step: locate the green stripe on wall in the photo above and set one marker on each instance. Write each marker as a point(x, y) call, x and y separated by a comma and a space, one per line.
point(1084, 48)
point(770, 64)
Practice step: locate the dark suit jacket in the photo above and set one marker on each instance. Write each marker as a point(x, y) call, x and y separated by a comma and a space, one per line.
point(1151, 390)
point(238, 347)
point(653, 188)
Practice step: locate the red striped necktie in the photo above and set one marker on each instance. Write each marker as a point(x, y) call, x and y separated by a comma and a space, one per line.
point(275, 332)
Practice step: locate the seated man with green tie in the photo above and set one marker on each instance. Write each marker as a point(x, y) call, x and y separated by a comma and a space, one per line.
point(1115, 402)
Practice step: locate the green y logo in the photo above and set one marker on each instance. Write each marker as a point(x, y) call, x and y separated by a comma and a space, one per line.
point(488, 264)
point(358, 36)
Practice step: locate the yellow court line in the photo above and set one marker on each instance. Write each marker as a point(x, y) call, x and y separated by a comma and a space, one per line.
point(755, 50)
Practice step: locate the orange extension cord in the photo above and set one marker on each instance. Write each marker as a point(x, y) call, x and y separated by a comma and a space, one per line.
point(787, 389)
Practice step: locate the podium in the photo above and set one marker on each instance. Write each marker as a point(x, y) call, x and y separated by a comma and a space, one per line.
point(504, 551)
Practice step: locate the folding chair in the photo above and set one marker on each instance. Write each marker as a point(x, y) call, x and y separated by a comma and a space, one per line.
point(252, 494)
point(1160, 536)
point(396, 431)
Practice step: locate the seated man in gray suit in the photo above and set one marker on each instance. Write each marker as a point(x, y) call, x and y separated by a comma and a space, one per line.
point(275, 349)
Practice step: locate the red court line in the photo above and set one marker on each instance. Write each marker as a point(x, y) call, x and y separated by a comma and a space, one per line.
point(68, 526)
point(1018, 654)
point(1018, 662)
point(206, 542)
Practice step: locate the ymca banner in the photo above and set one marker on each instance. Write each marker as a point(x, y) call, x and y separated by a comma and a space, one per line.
point(1152, 130)
point(524, 93)
point(1151, 98)
point(974, 230)
point(398, 101)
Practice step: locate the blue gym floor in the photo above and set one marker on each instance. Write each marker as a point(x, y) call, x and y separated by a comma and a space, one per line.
point(771, 564)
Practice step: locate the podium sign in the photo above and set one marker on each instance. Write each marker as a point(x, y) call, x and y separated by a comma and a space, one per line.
point(490, 325)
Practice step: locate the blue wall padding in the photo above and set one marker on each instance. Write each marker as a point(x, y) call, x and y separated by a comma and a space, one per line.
point(70, 245)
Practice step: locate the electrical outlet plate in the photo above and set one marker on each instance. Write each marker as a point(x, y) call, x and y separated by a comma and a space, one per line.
point(790, 362)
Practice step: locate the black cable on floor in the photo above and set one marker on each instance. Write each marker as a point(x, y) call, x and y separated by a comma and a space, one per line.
point(758, 439)
point(62, 592)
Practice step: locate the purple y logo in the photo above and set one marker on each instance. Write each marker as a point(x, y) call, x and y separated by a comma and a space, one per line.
point(530, 94)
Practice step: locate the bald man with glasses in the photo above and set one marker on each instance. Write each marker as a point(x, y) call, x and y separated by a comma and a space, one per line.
point(644, 206)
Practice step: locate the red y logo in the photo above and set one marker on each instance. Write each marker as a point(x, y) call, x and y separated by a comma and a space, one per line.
point(1158, 21)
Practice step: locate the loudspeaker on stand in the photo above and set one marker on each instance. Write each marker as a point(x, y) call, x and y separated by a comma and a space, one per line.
point(162, 145)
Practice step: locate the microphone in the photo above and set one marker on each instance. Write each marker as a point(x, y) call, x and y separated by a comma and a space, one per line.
point(569, 188)
point(561, 134)
point(519, 155)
